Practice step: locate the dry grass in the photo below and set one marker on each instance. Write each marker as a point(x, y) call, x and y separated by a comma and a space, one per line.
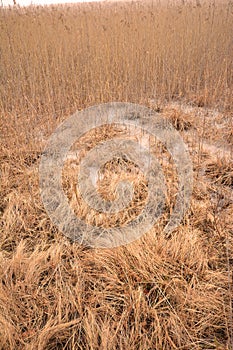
point(160, 292)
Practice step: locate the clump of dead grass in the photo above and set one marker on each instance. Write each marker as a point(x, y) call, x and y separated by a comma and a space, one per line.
point(159, 292)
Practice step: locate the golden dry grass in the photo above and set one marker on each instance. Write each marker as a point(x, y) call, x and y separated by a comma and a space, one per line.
point(160, 292)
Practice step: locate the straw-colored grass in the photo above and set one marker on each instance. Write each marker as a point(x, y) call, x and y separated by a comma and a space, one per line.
point(162, 291)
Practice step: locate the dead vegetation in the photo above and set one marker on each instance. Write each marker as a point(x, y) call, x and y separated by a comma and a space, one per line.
point(162, 291)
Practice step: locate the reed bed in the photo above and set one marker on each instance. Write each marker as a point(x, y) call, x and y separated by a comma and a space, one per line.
point(162, 291)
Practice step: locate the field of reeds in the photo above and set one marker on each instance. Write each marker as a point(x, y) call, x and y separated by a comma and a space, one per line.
point(161, 291)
